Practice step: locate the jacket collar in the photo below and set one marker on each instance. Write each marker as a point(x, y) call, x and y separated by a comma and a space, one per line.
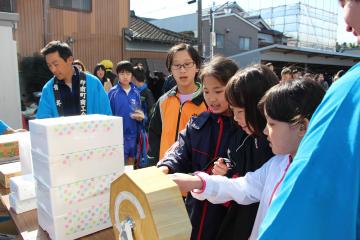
point(140, 88)
point(198, 97)
point(132, 87)
point(199, 122)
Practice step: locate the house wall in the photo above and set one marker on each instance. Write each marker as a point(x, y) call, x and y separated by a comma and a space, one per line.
point(10, 108)
point(266, 38)
point(30, 30)
point(233, 28)
point(97, 34)
point(154, 52)
point(155, 61)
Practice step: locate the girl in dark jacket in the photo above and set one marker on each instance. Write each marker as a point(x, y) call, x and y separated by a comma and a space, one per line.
point(204, 140)
point(248, 149)
point(251, 150)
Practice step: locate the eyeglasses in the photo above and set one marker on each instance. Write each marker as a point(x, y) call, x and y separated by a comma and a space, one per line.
point(185, 66)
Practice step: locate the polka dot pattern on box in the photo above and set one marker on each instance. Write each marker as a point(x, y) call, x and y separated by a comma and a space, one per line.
point(81, 190)
point(84, 219)
point(89, 155)
point(90, 127)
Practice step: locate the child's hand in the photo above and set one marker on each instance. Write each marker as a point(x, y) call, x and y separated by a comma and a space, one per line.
point(20, 130)
point(220, 167)
point(164, 169)
point(138, 115)
point(186, 182)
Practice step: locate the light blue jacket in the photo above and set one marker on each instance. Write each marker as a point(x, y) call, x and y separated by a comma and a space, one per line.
point(3, 127)
point(96, 99)
point(319, 198)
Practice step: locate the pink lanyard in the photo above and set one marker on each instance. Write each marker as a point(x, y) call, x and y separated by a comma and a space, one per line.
point(281, 179)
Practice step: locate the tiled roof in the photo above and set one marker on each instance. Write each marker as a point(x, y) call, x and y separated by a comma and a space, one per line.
point(219, 9)
point(145, 31)
point(256, 19)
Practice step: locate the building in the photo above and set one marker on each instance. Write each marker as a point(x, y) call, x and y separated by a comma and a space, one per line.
point(309, 24)
point(148, 44)
point(95, 30)
point(235, 31)
point(303, 59)
point(267, 36)
point(234, 34)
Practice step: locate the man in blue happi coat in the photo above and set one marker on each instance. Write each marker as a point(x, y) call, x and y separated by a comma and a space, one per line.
point(70, 92)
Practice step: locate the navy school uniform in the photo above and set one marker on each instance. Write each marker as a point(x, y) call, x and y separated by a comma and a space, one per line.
point(123, 104)
point(205, 139)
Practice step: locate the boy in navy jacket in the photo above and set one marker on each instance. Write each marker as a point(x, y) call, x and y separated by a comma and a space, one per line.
point(125, 102)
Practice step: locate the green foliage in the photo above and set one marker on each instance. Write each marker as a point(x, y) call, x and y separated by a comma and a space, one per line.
point(341, 47)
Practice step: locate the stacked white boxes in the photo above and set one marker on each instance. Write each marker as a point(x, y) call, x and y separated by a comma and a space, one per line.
point(22, 193)
point(75, 159)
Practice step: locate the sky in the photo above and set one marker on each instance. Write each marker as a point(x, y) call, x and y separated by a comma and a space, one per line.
point(168, 8)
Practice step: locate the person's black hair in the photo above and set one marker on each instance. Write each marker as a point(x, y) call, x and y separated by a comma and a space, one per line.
point(317, 76)
point(220, 68)
point(57, 46)
point(124, 66)
point(340, 73)
point(97, 67)
point(292, 101)
point(246, 88)
point(180, 47)
point(286, 71)
point(139, 74)
point(79, 64)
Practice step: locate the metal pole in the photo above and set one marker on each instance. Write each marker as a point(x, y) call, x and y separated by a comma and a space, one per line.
point(212, 31)
point(46, 21)
point(199, 22)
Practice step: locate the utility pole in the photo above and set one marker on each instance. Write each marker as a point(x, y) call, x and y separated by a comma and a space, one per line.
point(199, 23)
point(46, 21)
point(212, 30)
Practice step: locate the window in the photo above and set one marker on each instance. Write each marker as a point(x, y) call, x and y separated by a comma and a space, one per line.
point(77, 5)
point(219, 40)
point(8, 6)
point(244, 43)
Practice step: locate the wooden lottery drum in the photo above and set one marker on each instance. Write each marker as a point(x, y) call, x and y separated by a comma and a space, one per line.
point(146, 204)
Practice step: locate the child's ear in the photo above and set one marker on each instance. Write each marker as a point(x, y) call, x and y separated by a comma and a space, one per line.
point(303, 126)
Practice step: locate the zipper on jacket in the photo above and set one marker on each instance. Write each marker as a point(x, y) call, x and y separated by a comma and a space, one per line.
point(221, 127)
point(178, 121)
point(206, 203)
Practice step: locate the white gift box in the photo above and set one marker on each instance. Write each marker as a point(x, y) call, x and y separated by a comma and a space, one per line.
point(83, 219)
point(22, 206)
point(23, 187)
point(56, 136)
point(72, 167)
point(58, 200)
point(25, 153)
